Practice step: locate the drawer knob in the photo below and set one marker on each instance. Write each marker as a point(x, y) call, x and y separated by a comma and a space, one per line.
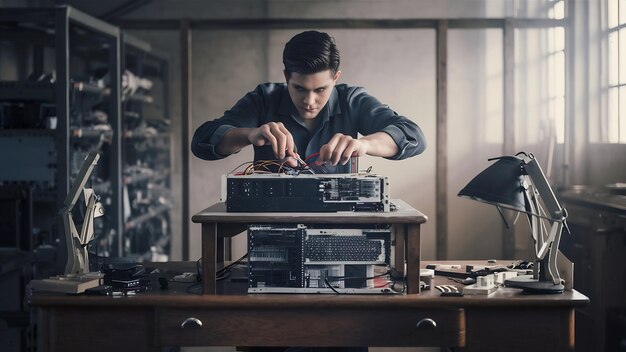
point(426, 323)
point(191, 323)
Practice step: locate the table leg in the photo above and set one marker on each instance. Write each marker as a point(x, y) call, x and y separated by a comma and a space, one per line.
point(412, 241)
point(399, 253)
point(209, 257)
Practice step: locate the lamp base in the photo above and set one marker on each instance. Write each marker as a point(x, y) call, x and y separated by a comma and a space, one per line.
point(530, 285)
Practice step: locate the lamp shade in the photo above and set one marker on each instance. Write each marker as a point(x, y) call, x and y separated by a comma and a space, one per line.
point(500, 184)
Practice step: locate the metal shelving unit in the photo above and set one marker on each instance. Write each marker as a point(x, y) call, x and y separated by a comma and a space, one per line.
point(146, 152)
point(60, 101)
point(84, 85)
point(69, 68)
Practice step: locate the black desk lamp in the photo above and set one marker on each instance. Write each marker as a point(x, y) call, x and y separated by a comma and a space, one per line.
point(519, 184)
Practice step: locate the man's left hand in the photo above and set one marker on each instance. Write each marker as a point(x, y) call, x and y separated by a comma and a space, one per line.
point(341, 148)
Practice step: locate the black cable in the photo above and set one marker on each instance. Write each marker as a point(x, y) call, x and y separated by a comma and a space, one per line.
point(223, 275)
point(231, 265)
point(331, 286)
point(220, 272)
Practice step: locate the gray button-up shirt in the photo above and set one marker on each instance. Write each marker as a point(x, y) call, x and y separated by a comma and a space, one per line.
point(350, 111)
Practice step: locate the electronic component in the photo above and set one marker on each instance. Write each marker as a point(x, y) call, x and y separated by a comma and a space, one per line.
point(275, 256)
point(306, 193)
point(484, 285)
point(299, 259)
point(449, 291)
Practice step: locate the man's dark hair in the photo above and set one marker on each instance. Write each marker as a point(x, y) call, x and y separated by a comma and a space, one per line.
point(310, 52)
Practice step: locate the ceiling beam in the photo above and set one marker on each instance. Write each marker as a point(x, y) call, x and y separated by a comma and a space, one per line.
point(123, 9)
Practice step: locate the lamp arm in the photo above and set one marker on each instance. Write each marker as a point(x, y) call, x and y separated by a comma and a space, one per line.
point(533, 221)
point(76, 242)
point(86, 231)
point(555, 214)
point(554, 232)
point(553, 270)
point(540, 182)
point(72, 240)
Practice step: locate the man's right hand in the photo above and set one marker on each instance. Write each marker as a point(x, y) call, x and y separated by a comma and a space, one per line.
point(276, 134)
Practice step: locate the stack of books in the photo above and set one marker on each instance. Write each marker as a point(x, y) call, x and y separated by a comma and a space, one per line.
point(73, 284)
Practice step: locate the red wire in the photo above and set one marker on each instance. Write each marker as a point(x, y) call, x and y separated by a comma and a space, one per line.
point(311, 156)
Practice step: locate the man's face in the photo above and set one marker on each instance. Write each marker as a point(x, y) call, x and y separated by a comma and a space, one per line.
point(310, 92)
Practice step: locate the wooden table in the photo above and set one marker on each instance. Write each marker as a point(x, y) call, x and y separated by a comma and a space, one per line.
point(218, 224)
point(503, 321)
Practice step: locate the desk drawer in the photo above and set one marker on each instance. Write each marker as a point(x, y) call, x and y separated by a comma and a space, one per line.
point(306, 327)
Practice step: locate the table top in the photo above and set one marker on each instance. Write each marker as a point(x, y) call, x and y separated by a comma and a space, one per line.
point(177, 296)
point(598, 199)
point(404, 214)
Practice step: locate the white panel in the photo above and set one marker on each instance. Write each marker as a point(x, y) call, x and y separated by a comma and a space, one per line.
point(475, 67)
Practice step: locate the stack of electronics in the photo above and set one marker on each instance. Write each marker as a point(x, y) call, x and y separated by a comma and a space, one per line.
point(299, 258)
point(302, 259)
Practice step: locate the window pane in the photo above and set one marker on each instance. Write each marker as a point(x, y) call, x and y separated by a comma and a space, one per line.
point(559, 39)
point(622, 55)
point(559, 75)
point(613, 121)
point(551, 77)
point(559, 119)
point(540, 87)
point(613, 64)
point(622, 115)
point(622, 11)
point(612, 13)
point(551, 40)
point(559, 10)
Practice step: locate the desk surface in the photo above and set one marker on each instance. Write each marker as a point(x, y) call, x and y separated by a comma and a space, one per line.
point(404, 214)
point(176, 296)
point(157, 318)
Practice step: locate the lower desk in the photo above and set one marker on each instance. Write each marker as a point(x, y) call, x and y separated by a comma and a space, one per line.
point(504, 321)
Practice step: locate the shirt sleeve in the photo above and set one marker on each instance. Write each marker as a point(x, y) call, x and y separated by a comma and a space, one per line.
point(245, 113)
point(373, 116)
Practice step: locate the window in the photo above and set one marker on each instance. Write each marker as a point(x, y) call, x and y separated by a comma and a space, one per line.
point(540, 81)
point(614, 130)
point(555, 42)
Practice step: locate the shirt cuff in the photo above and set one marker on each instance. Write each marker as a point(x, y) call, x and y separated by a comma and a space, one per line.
point(400, 138)
point(217, 136)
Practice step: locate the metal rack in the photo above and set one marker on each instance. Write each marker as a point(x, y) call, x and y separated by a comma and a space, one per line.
point(66, 65)
point(146, 152)
point(65, 98)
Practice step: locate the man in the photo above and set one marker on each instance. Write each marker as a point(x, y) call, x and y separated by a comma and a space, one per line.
point(310, 114)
